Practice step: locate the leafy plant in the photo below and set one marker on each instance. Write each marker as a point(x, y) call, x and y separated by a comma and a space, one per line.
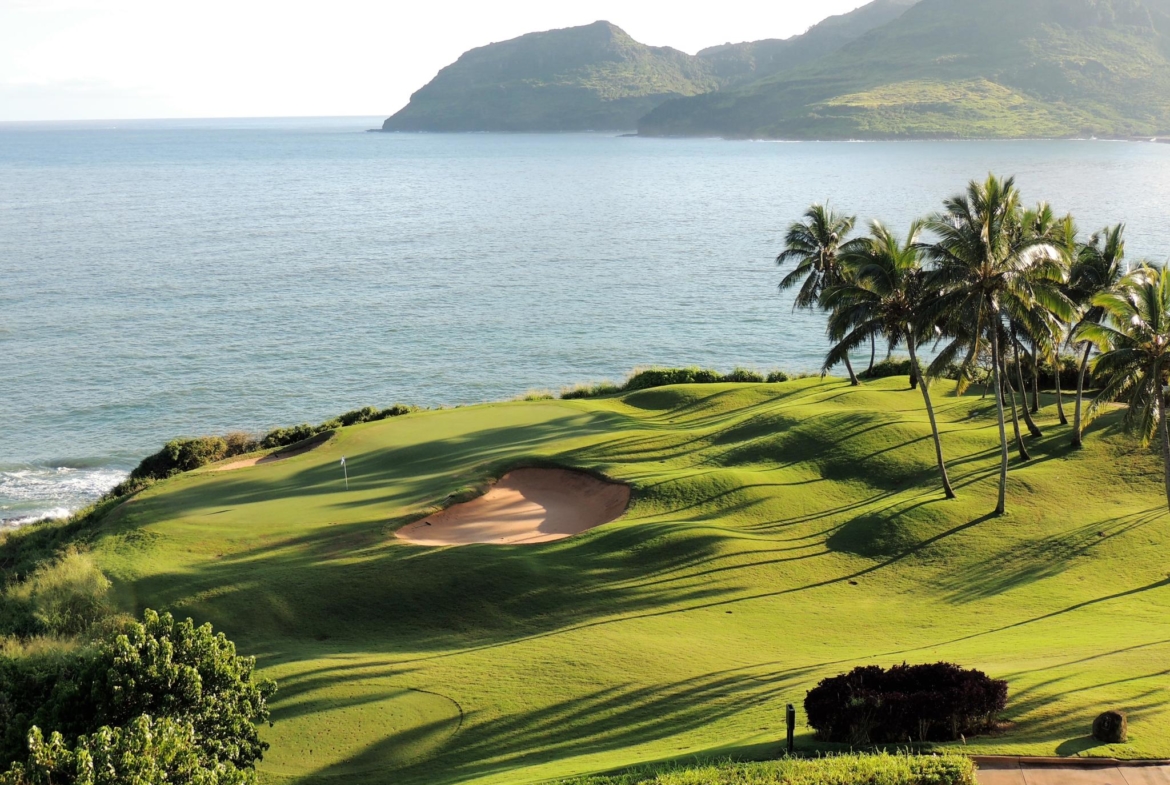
point(906, 703)
point(159, 668)
point(144, 752)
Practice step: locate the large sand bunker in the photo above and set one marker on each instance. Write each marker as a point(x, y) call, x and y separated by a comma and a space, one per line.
point(526, 506)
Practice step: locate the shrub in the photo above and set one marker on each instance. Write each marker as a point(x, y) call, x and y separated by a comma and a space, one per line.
point(144, 752)
point(282, 437)
point(662, 377)
point(777, 376)
point(157, 668)
point(647, 378)
point(829, 770)
point(907, 703)
point(590, 390)
point(744, 376)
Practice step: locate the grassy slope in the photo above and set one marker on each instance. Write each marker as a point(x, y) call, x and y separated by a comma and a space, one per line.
point(954, 69)
point(779, 534)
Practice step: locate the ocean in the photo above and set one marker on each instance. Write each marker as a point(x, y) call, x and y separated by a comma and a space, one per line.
point(167, 278)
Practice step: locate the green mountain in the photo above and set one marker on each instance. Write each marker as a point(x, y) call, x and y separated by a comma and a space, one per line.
point(594, 77)
point(597, 77)
point(736, 64)
point(961, 68)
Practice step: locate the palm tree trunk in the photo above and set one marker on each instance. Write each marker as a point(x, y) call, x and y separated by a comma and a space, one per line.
point(1035, 355)
point(852, 376)
point(1165, 432)
point(1009, 390)
point(1032, 429)
point(938, 453)
point(1000, 506)
point(1076, 440)
point(1059, 397)
point(872, 353)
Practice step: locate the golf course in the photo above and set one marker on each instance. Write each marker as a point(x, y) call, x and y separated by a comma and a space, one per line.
point(776, 534)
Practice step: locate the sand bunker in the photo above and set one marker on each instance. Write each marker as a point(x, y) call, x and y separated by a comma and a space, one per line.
point(526, 506)
point(292, 451)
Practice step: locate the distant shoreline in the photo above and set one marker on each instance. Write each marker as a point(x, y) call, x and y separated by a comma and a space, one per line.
point(789, 140)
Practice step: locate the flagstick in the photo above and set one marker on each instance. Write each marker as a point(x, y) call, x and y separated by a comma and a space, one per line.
point(345, 469)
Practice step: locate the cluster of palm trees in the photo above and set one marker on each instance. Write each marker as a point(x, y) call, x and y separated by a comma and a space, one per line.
point(996, 288)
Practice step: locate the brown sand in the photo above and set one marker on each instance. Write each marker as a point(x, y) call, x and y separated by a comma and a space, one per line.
point(288, 452)
point(526, 506)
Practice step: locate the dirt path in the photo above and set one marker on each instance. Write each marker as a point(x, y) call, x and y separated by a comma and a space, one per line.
point(1022, 771)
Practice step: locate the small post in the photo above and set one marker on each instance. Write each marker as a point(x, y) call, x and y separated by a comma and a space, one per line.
point(346, 470)
point(791, 727)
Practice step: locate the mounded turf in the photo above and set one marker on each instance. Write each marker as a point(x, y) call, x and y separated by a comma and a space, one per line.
point(778, 534)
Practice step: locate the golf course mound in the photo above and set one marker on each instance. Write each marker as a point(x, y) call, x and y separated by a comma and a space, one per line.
point(525, 507)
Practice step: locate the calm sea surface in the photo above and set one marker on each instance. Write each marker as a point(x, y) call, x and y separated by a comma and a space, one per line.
point(178, 278)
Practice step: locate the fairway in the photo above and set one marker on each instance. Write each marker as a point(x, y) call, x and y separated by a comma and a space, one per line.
point(777, 534)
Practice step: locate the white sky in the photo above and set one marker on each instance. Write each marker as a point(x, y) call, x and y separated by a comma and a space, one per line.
point(120, 59)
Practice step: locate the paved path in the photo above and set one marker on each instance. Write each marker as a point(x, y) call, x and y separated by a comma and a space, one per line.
point(1016, 771)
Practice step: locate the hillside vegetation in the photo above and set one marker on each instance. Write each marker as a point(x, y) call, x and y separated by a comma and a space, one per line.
point(960, 69)
point(582, 78)
point(779, 534)
point(597, 78)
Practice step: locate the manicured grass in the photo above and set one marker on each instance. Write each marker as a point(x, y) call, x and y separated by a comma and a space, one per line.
point(779, 534)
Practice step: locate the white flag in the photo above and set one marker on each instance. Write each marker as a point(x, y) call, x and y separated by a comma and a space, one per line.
point(343, 460)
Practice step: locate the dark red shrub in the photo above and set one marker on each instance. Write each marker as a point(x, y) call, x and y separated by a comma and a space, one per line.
point(907, 703)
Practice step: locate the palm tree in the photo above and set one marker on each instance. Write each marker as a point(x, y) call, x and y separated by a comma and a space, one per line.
point(814, 244)
point(883, 295)
point(1099, 268)
point(987, 269)
point(1134, 338)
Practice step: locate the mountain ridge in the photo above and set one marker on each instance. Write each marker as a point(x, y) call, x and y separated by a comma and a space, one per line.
point(596, 77)
point(951, 69)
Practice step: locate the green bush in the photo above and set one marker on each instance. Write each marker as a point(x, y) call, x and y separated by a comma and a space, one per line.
point(157, 668)
point(282, 437)
point(776, 377)
point(900, 366)
point(879, 769)
point(745, 376)
point(144, 752)
point(647, 378)
point(590, 391)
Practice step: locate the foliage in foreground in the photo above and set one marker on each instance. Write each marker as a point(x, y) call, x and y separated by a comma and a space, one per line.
point(160, 668)
point(145, 752)
point(907, 703)
point(880, 769)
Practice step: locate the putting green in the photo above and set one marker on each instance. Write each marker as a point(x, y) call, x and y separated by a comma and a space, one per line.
point(777, 534)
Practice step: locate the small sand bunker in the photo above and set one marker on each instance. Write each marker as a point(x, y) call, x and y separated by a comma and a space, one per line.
point(292, 451)
point(526, 506)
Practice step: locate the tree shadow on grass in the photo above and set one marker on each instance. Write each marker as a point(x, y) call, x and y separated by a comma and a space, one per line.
point(609, 718)
point(349, 584)
point(1022, 563)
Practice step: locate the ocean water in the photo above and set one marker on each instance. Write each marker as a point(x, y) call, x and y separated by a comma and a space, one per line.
point(175, 278)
